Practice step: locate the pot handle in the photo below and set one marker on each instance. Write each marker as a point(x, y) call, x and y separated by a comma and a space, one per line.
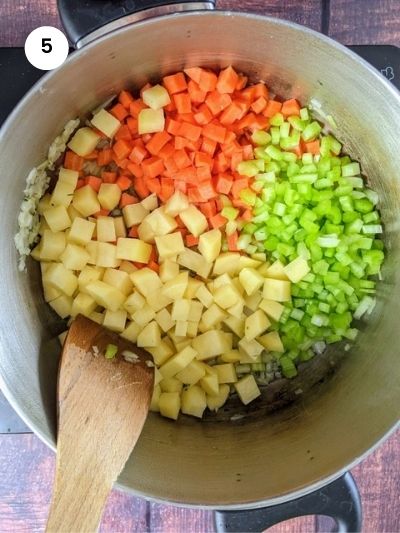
point(339, 500)
point(86, 20)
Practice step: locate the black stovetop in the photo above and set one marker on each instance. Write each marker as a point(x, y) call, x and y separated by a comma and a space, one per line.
point(17, 76)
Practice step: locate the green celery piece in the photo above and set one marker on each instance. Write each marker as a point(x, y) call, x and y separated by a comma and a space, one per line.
point(261, 137)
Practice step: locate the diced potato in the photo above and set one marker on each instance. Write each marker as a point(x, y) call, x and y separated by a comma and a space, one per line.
point(88, 274)
point(74, 257)
point(215, 402)
point(253, 302)
point(150, 336)
point(156, 97)
point(276, 271)
point(119, 227)
point(157, 377)
point(57, 218)
point(85, 201)
point(119, 279)
point(231, 357)
point(212, 316)
point(248, 262)
point(84, 141)
point(65, 187)
point(107, 255)
point(250, 348)
point(273, 309)
point(277, 290)
point(212, 343)
point(134, 214)
point(204, 296)
point(43, 226)
point(109, 195)
point(81, 231)
point(164, 320)
point(169, 245)
point(127, 266)
point(192, 329)
point(155, 399)
point(83, 304)
point(91, 249)
point(146, 281)
point(105, 295)
point(181, 328)
point(61, 279)
point(131, 332)
point(97, 317)
point(237, 309)
point(196, 262)
point(134, 302)
point(73, 213)
point(264, 268)
point(236, 283)
point(251, 280)
point(191, 289)
point(272, 342)
point(192, 373)
point(209, 384)
point(106, 123)
point(62, 305)
point(179, 342)
point(297, 269)
point(52, 245)
point(133, 250)
point(259, 256)
point(162, 352)
point(168, 270)
point(195, 312)
point(44, 203)
point(193, 401)
point(115, 320)
point(169, 403)
point(150, 202)
point(175, 288)
point(150, 121)
point(228, 263)
point(178, 362)
point(194, 220)
point(171, 385)
point(226, 296)
point(256, 324)
point(160, 222)
point(247, 389)
point(210, 244)
point(105, 230)
point(146, 232)
point(226, 373)
point(176, 204)
point(236, 325)
point(144, 315)
point(157, 300)
point(49, 292)
point(181, 309)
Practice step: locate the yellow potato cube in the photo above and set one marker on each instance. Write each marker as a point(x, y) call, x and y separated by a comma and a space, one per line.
point(73, 213)
point(106, 123)
point(220, 281)
point(161, 223)
point(65, 187)
point(133, 250)
point(256, 324)
point(88, 274)
point(81, 231)
point(57, 218)
point(204, 296)
point(236, 325)
point(273, 309)
point(105, 295)
point(169, 245)
point(192, 373)
point(228, 263)
point(52, 245)
point(150, 336)
point(134, 302)
point(83, 304)
point(84, 141)
point(97, 317)
point(193, 401)
point(157, 300)
point(105, 229)
point(178, 362)
point(209, 384)
point(169, 403)
point(144, 315)
point(194, 220)
point(253, 302)
point(162, 352)
point(49, 292)
point(226, 296)
point(119, 227)
point(181, 328)
point(171, 385)
point(210, 244)
point(215, 402)
point(164, 320)
point(119, 279)
point(251, 280)
point(212, 343)
point(194, 261)
point(60, 278)
point(151, 121)
point(276, 271)
point(230, 357)
point(146, 281)
point(127, 266)
point(85, 201)
point(156, 97)
point(181, 309)
point(134, 214)
point(191, 289)
point(115, 320)
point(74, 257)
point(155, 399)
point(247, 262)
point(263, 269)
point(68, 176)
point(175, 288)
point(109, 195)
point(192, 328)
point(146, 232)
point(211, 317)
point(176, 204)
point(277, 290)
point(168, 270)
point(226, 373)
point(297, 269)
point(272, 342)
point(131, 332)
point(247, 389)
point(62, 305)
point(180, 342)
point(252, 349)
point(195, 312)
point(44, 203)
point(106, 255)
point(150, 202)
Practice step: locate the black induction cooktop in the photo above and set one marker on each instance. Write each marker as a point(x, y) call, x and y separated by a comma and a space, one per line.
point(17, 75)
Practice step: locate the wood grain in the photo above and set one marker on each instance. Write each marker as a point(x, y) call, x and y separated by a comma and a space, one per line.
point(365, 21)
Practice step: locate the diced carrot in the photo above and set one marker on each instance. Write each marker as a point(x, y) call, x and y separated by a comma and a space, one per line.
point(136, 107)
point(170, 164)
point(261, 91)
point(241, 83)
point(154, 185)
point(237, 157)
point(122, 149)
point(223, 183)
point(94, 182)
point(214, 132)
point(181, 159)
point(247, 151)
point(232, 113)
point(273, 107)
point(208, 146)
point(122, 163)
point(170, 108)
point(137, 154)
point(167, 189)
point(104, 157)
point(182, 102)
point(123, 134)
point(172, 126)
point(236, 202)
point(132, 124)
point(124, 182)
point(238, 185)
point(193, 73)
point(119, 112)
point(232, 240)
point(194, 195)
point(102, 213)
point(139, 265)
point(157, 142)
point(227, 81)
point(312, 147)
point(208, 80)
point(153, 254)
point(175, 83)
point(140, 187)
point(135, 169)
point(208, 209)
point(125, 98)
point(167, 151)
point(127, 199)
point(196, 95)
point(246, 121)
point(80, 183)
point(180, 143)
point(259, 105)
point(217, 102)
point(153, 167)
point(191, 240)
point(72, 161)
point(221, 163)
point(248, 94)
point(180, 185)
point(290, 107)
point(247, 215)
point(206, 190)
point(203, 173)
point(203, 115)
point(217, 221)
point(133, 232)
point(154, 266)
point(92, 156)
point(187, 174)
point(109, 177)
point(189, 131)
point(203, 159)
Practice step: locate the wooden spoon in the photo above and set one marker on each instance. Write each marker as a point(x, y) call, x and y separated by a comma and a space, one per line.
point(102, 407)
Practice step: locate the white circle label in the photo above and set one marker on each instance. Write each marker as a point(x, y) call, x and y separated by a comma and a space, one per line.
point(46, 48)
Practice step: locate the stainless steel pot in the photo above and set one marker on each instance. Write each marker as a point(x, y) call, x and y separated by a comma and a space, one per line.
point(254, 462)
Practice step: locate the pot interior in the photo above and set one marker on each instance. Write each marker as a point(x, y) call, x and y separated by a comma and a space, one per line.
point(265, 457)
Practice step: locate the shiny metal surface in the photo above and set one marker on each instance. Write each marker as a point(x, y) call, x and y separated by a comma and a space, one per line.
point(251, 462)
point(143, 15)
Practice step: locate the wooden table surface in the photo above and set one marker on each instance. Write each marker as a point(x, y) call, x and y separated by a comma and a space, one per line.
point(27, 466)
